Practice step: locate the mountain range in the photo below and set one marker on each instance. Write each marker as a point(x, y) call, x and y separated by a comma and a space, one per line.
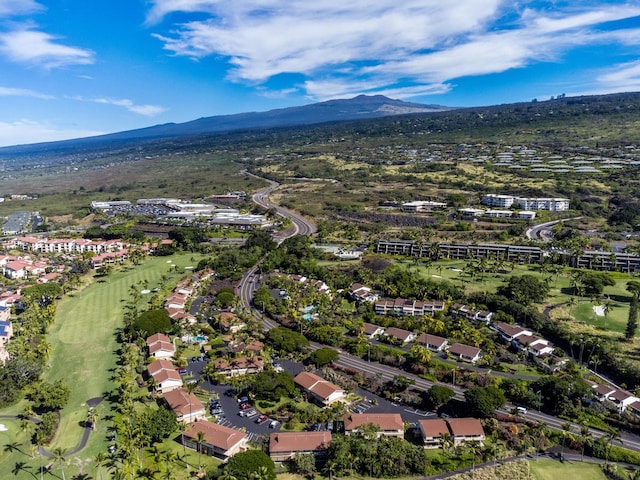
point(360, 107)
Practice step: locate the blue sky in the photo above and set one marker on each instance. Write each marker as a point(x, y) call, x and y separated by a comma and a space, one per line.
point(74, 68)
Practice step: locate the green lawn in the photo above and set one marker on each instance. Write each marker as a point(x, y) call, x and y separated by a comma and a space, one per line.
point(552, 470)
point(83, 351)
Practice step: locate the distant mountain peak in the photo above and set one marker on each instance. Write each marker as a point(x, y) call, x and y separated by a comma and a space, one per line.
point(356, 108)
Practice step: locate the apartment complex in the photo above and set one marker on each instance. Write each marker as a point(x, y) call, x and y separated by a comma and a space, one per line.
point(507, 201)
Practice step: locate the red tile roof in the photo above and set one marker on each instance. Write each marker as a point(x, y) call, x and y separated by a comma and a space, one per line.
point(299, 441)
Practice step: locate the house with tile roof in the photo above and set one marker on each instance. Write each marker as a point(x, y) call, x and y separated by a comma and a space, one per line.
point(465, 353)
point(465, 430)
point(399, 335)
point(432, 342)
point(460, 430)
point(160, 347)
point(389, 424)
point(187, 407)
point(362, 293)
point(165, 376)
point(239, 366)
point(283, 446)
point(219, 441)
point(320, 390)
point(433, 431)
point(372, 331)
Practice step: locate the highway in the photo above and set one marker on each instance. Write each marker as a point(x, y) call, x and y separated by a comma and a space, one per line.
point(301, 226)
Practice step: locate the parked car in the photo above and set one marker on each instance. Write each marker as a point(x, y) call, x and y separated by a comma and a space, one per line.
point(250, 413)
point(245, 406)
point(273, 424)
point(261, 419)
point(182, 371)
point(243, 400)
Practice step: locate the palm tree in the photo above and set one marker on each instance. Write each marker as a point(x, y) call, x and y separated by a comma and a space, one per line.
point(21, 467)
point(100, 460)
point(227, 475)
point(200, 437)
point(92, 418)
point(572, 302)
point(60, 459)
point(612, 436)
point(12, 447)
point(566, 429)
point(585, 436)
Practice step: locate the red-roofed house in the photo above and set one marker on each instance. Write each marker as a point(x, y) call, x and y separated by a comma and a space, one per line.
point(160, 346)
point(461, 430)
point(187, 407)
point(239, 366)
point(284, 446)
point(219, 442)
point(465, 430)
point(165, 376)
point(390, 424)
point(320, 390)
point(432, 431)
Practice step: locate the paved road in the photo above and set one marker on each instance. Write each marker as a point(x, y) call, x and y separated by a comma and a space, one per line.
point(542, 231)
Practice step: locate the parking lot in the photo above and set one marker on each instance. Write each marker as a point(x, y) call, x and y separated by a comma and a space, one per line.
point(257, 432)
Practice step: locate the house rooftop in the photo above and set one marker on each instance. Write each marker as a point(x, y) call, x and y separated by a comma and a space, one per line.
point(386, 421)
point(216, 435)
point(183, 403)
point(299, 441)
point(433, 427)
point(465, 427)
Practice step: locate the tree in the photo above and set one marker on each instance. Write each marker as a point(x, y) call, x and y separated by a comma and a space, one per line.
point(243, 464)
point(60, 459)
point(482, 401)
point(49, 397)
point(438, 395)
point(323, 356)
point(271, 385)
point(287, 340)
point(525, 289)
point(200, 437)
point(152, 322)
point(92, 418)
point(303, 463)
point(632, 320)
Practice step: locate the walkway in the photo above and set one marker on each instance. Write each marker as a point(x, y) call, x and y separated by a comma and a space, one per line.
point(86, 431)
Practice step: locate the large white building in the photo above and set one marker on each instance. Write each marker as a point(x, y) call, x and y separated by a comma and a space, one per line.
point(506, 201)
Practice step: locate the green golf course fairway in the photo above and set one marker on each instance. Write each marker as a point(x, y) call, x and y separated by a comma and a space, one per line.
point(84, 343)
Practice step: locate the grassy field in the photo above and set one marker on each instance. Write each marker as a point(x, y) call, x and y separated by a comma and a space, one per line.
point(84, 346)
point(553, 469)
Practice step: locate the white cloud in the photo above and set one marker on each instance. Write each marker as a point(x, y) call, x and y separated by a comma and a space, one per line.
point(146, 110)
point(27, 131)
point(22, 92)
point(9, 8)
point(160, 8)
point(421, 43)
point(39, 48)
point(622, 78)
